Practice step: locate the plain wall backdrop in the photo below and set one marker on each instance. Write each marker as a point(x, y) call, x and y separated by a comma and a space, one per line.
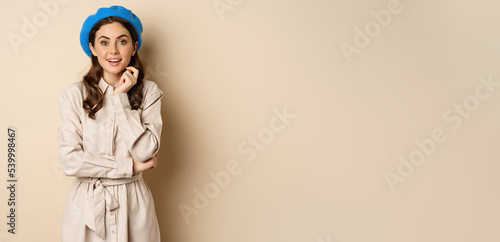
point(284, 120)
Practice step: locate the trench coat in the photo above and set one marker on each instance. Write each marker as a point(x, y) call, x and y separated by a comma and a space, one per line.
point(106, 201)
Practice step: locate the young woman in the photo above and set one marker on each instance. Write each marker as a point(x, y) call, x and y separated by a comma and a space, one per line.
point(110, 128)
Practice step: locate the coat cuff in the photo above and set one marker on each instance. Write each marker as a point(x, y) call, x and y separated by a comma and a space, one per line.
point(125, 167)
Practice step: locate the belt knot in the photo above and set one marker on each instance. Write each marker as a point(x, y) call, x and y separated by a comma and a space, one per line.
point(99, 200)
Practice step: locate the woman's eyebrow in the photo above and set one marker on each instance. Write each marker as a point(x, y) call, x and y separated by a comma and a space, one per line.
point(123, 35)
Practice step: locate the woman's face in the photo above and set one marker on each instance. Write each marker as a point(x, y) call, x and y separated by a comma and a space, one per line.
point(113, 48)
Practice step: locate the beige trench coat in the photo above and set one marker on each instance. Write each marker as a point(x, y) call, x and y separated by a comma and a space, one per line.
point(106, 201)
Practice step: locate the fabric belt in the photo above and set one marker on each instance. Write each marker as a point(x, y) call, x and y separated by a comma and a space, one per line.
point(99, 199)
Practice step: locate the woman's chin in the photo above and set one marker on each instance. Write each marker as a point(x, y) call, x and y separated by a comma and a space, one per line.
point(115, 70)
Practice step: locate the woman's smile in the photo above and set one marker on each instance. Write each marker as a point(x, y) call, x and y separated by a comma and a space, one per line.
point(114, 61)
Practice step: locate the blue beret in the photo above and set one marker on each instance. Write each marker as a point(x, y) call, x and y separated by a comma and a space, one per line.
point(102, 13)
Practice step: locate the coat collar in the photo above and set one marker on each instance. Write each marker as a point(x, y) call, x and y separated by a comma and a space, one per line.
point(104, 85)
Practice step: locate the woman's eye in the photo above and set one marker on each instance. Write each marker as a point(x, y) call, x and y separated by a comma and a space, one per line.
point(123, 42)
point(104, 43)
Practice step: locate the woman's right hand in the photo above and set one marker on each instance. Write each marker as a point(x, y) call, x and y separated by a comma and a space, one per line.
point(142, 166)
point(127, 80)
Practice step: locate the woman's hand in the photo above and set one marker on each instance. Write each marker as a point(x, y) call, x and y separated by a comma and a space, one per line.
point(127, 80)
point(142, 166)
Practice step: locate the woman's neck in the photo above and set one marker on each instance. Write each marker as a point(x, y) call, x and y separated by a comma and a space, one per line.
point(111, 79)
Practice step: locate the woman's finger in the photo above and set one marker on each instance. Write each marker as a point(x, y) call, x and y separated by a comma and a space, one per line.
point(155, 163)
point(131, 78)
point(134, 70)
point(128, 78)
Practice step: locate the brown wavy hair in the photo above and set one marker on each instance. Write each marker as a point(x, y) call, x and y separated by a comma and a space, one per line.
point(94, 99)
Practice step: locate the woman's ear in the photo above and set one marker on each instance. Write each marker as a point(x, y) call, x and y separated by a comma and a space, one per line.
point(135, 48)
point(92, 49)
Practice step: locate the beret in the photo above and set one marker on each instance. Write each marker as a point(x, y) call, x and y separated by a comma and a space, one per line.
point(102, 13)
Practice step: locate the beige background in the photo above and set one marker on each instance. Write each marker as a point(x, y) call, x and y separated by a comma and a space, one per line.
point(322, 177)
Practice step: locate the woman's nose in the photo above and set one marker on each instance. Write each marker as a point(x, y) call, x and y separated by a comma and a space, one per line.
point(113, 49)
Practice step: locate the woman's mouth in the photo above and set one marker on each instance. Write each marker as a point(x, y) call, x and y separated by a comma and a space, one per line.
point(114, 61)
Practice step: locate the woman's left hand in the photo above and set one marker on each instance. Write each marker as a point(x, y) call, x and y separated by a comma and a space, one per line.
point(142, 166)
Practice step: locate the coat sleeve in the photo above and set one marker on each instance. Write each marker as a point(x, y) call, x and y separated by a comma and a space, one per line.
point(141, 131)
point(75, 161)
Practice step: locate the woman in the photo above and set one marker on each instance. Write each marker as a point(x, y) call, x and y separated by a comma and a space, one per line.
point(109, 134)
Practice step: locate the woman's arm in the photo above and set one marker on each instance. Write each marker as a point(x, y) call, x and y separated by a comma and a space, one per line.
point(141, 131)
point(75, 161)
